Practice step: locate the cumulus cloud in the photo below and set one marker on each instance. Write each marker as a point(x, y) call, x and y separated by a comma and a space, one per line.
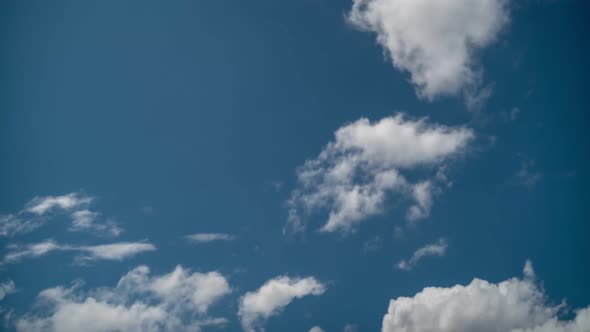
point(209, 237)
point(113, 251)
point(272, 297)
point(439, 55)
point(353, 175)
point(438, 248)
point(40, 209)
point(511, 305)
point(176, 301)
point(7, 287)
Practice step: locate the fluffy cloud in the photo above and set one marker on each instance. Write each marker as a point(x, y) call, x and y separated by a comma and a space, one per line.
point(435, 249)
point(272, 297)
point(113, 251)
point(6, 288)
point(355, 173)
point(439, 55)
point(209, 237)
point(40, 209)
point(177, 301)
point(512, 305)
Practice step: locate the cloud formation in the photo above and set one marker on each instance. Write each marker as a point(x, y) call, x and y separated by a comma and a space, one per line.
point(7, 287)
point(113, 251)
point(209, 237)
point(439, 55)
point(40, 209)
point(438, 248)
point(316, 329)
point(176, 301)
point(354, 174)
point(511, 305)
point(272, 297)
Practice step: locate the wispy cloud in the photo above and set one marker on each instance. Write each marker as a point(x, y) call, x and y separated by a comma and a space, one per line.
point(209, 237)
point(7, 287)
point(113, 251)
point(438, 248)
point(525, 175)
point(41, 209)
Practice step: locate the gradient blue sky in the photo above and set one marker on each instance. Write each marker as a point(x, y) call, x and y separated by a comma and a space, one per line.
point(184, 117)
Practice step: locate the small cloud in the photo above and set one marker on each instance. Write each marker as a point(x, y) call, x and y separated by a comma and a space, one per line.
point(373, 244)
point(438, 248)
point(6, 288)
point(255, 307)
point(113, 251)
point(525, 176)
point(199, 238)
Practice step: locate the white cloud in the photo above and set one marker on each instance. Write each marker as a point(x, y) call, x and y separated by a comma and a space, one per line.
point(11, 225)
point(272, 297)
point(40, 209)
point(435, 249)
point(525, 176)
point(316, 329)
point(114, 251)
point(7, 287)
point(43, 205)
point(354, 174)
point(511, 305)
point(209, 237)
point(438, 55)
point(177, 301)
point(86, 220)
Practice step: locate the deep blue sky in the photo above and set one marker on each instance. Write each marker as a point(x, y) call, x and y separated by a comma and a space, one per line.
point(179, 117)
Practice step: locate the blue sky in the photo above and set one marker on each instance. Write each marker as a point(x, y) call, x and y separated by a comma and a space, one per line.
point(294, 166)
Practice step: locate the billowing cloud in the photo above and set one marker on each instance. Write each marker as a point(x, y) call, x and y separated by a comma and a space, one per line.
point(176, 301)
point(354, 174)
point(438, 248)
point(209, 237)
point(272, 297)
point(7, 287)
point(40, 209)
point(113, 251)
point(511, 305)
point(435, 41)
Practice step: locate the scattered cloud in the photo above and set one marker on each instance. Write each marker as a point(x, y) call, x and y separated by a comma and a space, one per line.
point(40, 209)
point(525, 175)
point(439, 248)
point(511, 305)
point(316, 329)
point(272, 297)
point(354, 174)
point(7, 287)
point(439, 56)
point(209, 237)
point(372, 244)
point(177, 301)
point(113, 251)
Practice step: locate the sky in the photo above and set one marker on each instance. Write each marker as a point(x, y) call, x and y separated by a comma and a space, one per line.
point(312, 165)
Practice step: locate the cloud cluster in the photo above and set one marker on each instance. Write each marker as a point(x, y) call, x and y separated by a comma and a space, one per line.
point(272, 297)
point(511, 305)
point(177, 301)
point(40, 209)
point(355, 173)
point(199, 238)
point(434, 41)
point(438, 248)
point(113, 251)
